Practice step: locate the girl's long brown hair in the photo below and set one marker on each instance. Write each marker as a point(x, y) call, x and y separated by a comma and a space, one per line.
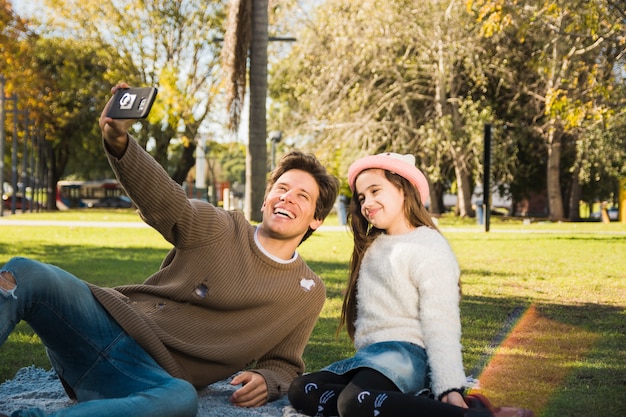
point(364, 235)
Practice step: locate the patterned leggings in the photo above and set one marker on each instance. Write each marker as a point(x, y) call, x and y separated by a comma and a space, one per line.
point(363, 392)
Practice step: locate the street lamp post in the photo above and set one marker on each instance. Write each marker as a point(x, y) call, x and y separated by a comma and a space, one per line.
point(24, 173)
point(2, 81)
point(275, 137)
point(14, 156)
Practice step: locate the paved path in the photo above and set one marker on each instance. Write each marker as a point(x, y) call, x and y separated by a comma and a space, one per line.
point(14, 221)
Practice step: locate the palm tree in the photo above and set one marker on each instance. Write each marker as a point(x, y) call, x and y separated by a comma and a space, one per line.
point(246, 33)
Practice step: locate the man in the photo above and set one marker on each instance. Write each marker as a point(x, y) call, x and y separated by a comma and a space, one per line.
point(229, 296)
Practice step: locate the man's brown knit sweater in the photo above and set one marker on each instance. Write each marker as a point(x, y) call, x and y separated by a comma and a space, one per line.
point(218, 304)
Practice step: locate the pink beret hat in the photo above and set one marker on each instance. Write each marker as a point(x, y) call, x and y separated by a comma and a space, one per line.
point(403, 165)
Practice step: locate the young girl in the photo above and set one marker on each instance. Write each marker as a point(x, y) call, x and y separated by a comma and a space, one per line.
point(401, 309)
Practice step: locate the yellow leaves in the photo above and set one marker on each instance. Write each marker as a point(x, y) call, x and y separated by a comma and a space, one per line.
point(574, 117)
point(572, 112)
point(551, 97)
point(496, 23)
point(492, 14)
point(558, 105)
point(552, 9)
point(185, 141)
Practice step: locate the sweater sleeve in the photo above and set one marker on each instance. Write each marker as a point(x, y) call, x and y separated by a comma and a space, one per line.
point(168, 211)
point(439, 313)
point(284, 363)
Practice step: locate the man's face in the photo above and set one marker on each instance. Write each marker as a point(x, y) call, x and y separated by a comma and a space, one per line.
point(289, 207)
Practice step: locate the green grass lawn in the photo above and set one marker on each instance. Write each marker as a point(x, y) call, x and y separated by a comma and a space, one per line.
point(569, 361)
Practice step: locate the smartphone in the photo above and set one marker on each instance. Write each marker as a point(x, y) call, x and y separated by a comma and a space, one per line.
point(132, 103)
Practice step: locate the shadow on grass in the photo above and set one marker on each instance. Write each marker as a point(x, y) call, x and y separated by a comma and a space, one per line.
point(591, 237)
point(104, 266)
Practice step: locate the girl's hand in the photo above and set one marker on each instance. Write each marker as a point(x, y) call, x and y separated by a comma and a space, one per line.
point(454, 398)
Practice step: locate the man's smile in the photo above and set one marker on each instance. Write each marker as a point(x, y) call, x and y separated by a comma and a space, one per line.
point(284, 212)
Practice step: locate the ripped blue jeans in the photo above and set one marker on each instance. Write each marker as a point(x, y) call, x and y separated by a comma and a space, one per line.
point(110, 374)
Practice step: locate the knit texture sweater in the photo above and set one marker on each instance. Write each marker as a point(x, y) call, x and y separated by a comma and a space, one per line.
point(218, 304)
point(408, 290)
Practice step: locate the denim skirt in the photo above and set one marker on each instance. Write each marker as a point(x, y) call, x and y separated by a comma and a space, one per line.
point(404, 363)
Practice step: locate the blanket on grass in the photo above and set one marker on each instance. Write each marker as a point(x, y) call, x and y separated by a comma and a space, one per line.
point(36, 387)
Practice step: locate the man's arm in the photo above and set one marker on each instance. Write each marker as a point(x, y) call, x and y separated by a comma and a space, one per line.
point(280, 366)
point(161, 202)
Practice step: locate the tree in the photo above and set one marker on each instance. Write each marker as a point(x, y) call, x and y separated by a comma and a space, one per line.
point(67, 86)
point(247, 33)
point(168, 44)
point(12, 29)
point(402, 76)
point(61, 84)
point(559, 51)
point(256, 158)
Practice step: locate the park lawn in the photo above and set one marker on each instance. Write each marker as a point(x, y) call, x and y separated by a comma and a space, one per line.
point(543, 306)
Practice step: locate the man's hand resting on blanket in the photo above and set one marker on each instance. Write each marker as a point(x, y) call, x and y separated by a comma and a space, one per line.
point(253, 393)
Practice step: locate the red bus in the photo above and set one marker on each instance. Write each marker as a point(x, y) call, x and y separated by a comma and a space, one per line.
point(83, 194)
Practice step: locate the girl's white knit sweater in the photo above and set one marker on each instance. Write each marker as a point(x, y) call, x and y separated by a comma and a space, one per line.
point(408, 290)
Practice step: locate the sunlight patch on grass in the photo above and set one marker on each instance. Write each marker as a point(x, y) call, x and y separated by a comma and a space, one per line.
point(533, 361)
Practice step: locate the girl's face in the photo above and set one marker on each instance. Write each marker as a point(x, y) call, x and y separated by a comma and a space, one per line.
point(382, 203)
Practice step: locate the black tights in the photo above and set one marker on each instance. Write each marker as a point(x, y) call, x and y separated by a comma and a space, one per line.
point(364, 392)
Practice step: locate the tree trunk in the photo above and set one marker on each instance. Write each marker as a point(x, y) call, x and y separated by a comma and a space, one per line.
point(436, 198)
point(555, 200)
point(185, 163)
point(575, 196)
point(464, 185)
point(256, 157)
